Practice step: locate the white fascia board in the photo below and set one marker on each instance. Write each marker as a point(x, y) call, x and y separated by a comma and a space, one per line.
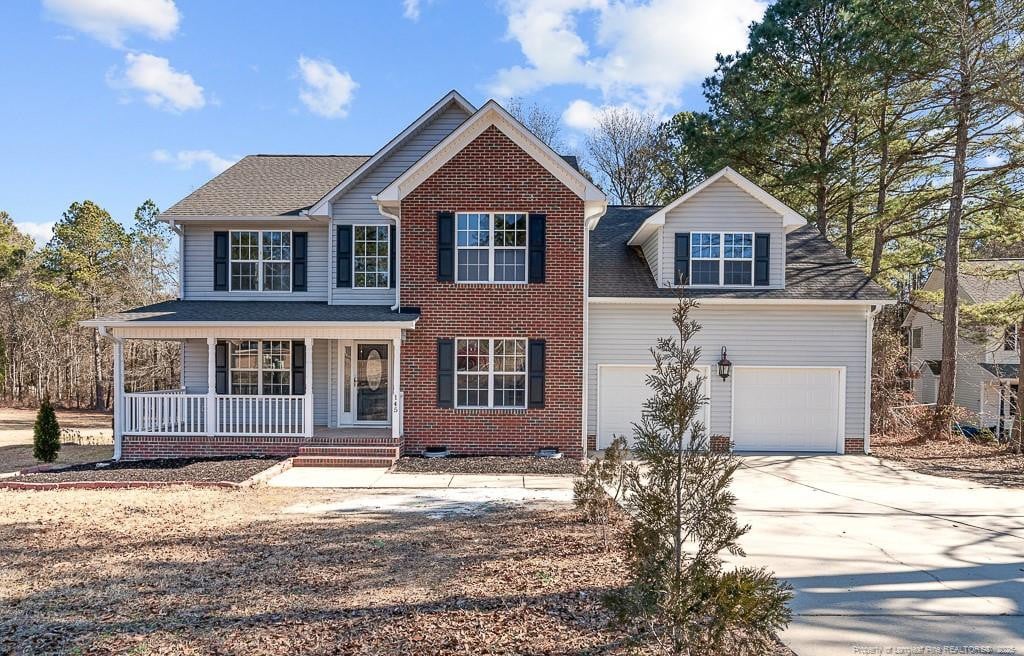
point(635, 300)
point(222, 218)
point(791, 220)
point(323, 206)
point(494, 114)
point(98, 323)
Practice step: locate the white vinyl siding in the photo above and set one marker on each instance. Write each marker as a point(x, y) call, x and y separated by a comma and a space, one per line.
point(198, 261)
point(765, 335)
point(651, 248)
point(722, 207)
point(356, 205)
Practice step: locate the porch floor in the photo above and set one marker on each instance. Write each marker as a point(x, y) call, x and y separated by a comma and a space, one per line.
point(352, 431)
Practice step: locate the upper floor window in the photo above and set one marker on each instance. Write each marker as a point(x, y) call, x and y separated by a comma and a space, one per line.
point(371, 257)
point(261, 260)
point(916, 338)
point(491, 246)
point(722, 258)
point(1010, 338)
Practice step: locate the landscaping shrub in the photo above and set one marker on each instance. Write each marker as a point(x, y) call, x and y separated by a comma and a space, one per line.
point(596, 491)
point(46, 433)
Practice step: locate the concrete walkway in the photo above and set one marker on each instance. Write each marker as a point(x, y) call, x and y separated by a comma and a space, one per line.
point(882, 558)
point(380, 478)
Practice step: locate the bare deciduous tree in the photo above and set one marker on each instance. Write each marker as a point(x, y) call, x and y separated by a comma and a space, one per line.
point(539, 120)
point(624, 149)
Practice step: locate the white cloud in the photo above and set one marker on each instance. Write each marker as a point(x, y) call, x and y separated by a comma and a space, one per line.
point(110, 21)
point(645, 53)
point(161, 86)
point(40, 232)
point(581, 115)
point(186, 159)
point(411, 9)
point(326, 91)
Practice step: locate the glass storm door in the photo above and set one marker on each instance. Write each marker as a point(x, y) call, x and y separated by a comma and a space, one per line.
point(372, 382)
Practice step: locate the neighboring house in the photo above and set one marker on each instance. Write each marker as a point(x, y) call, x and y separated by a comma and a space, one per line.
point(987, 371)
point(349, 308)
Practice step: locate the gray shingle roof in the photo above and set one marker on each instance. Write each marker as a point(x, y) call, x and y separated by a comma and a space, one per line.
point(1003, 370)
point(814, 268)
point(982, 281)
point(268, 185)
point(259, 311)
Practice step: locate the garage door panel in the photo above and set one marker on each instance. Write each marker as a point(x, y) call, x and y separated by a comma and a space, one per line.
point(790, 409)
point(622, 391)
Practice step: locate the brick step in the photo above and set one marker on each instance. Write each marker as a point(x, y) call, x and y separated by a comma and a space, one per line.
point(347, 450)
point(352, 440)
point(341, 461)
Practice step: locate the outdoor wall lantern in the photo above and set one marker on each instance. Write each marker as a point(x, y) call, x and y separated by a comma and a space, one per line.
point(724, 366)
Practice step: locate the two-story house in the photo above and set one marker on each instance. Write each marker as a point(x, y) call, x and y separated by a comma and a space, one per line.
point(468, 287)
point(988, 365)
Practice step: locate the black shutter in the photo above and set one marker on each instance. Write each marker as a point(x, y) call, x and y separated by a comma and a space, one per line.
point(221, 366)
point(220, 261)
point(298, 368)
point(446, 246)
point(762, 275)
point(682, 258)
point(299, 241)
point(535, 365)
point(446, 373)
point(344, 263)
point(538, 247)
point(393, 274)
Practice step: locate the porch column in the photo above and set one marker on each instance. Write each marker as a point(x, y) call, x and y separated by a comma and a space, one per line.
point(396, 377)
point(307, 403)
point(119, 413)
point(211, 386)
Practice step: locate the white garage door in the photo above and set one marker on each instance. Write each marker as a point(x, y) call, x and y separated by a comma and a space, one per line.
point(622, 390)
point(781, 409)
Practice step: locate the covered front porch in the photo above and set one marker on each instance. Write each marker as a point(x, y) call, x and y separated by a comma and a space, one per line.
point(262, 387)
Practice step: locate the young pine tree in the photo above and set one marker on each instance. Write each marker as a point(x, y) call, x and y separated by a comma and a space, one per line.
point(46, 433)
point(679, 591)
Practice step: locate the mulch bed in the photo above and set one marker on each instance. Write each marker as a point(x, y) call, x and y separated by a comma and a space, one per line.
point(233, 470)
point(196, 571)
point(982, 462)
point(489, 465)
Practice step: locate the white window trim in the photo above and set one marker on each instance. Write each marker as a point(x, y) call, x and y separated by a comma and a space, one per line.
point(916, 337)
point(722, 259)
point(259, 367)
point(354, 256)
point(259, 263)
point(491, 372)
point(490, 248)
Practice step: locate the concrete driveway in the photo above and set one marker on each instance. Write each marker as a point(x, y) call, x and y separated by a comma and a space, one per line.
point(883, 559)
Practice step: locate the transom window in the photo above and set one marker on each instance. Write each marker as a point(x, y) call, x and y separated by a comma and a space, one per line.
point(722, 258)
point(490, 373)
point(261, 260)
point(371, 257)
point(491, 247)
point(261, 367)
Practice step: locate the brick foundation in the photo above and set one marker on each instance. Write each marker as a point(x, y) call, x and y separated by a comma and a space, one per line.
point(494, 174)
point(854, 445)
point(721, 443)
point(591, 442)
point(142, 447)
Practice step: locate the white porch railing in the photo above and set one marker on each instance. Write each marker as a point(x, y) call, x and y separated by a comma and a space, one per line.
point(261, 415)
point(165, 412)
point(174, 412)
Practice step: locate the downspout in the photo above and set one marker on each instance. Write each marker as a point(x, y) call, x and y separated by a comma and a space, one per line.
point(872, 313)
point(118, 387)
point(178, 230)
point(398, 256)
point(590, 222)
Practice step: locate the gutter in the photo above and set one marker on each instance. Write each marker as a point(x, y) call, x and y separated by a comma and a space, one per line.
point(869, 343)
point(398, 255)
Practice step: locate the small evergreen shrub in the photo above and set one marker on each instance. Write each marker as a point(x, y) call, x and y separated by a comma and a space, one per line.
point(596, 491)
point(46, 433)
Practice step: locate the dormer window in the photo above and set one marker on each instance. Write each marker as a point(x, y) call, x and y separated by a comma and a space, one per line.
point(722, 259)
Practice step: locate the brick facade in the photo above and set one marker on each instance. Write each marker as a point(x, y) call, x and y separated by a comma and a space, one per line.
point(493, 174)
point(854, 445)
point(720, 443)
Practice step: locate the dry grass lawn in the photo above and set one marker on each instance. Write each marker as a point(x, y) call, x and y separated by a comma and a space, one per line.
point(90, 432)
point(985, 463)
point(195, 571)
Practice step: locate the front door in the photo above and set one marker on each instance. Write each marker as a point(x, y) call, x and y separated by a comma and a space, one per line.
point(371, 382)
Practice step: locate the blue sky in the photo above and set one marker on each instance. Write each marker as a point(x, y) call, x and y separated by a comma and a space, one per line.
point(122, 100)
